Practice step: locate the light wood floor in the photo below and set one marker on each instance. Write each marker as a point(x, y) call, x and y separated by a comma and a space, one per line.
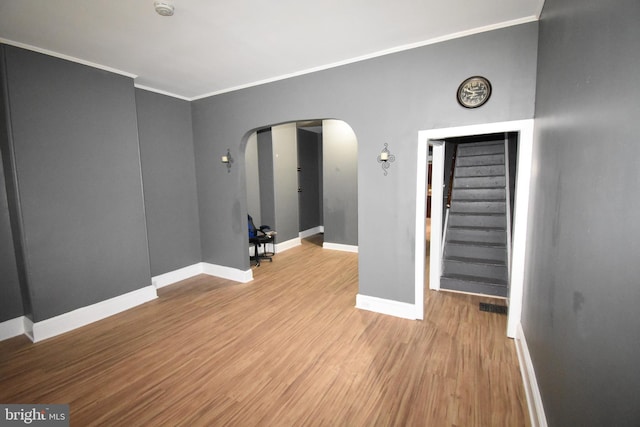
point(287, 349)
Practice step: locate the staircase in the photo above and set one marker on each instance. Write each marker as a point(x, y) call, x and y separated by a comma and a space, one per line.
point(475, 251)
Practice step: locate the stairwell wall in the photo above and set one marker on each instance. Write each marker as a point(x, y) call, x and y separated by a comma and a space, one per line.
point(580, 313)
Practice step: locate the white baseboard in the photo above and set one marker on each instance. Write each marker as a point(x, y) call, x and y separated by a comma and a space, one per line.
point(11, 328)
point(227, 272)
point(92, 313)
point(386, 306)
point(312, 231)
point(340, 247)
point(534, 400)
point(281, 247)
point(175, 276)
point(66, 322)
point(202, 268)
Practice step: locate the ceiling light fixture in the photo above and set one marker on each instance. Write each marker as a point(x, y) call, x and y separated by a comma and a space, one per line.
point(163, 8)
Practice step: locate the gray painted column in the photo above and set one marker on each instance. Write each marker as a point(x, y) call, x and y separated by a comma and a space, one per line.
point(168, 174)
point(340, 183)
point(285, 181)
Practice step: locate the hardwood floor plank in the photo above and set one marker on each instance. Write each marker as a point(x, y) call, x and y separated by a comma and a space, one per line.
point(286, 349)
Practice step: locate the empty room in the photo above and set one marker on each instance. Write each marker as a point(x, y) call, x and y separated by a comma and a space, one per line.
point(446, 193)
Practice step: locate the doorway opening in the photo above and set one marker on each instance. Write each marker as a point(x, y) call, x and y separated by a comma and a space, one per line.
point(301, 180)
point(435, 140)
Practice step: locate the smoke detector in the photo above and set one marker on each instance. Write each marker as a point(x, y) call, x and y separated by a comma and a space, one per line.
point(163, 8)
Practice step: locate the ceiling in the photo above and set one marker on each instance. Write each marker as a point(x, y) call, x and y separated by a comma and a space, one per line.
point(213, 46)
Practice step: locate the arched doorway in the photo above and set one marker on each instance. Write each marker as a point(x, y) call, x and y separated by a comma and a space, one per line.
point(301, 179)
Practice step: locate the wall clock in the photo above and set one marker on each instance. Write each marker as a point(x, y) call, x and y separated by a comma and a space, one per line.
point(474, 92)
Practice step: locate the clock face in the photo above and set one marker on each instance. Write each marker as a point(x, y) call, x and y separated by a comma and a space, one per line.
point(474, 92)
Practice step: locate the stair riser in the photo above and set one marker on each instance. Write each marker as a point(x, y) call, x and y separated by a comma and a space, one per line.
point(478, 207)
point(482, 252)
point(477, 236)
point(473, 287)
point(492, 159)
point(477, 221)
point(479, 182)
point(478, 194)
point(473, 150)
point(489, 271)
point(480, 170)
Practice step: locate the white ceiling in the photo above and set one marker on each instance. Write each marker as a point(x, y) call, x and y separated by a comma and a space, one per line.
point(213, 46)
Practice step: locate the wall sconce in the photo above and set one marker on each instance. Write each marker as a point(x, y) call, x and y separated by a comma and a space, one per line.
point(228, 160)
point(385, 158)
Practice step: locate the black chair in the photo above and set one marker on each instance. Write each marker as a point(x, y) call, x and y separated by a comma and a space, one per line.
point(260, 237)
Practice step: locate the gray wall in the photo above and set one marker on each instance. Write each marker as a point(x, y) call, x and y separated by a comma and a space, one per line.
point(387, 99)
point(340, 183)
point(10, 298)
point(16, 301)
point(309, 178)
point(253, 179)
point(10, 291)
point(582, 290)
point(265, 168)
point(75, 141)
point(168, 173)
point(285, 180)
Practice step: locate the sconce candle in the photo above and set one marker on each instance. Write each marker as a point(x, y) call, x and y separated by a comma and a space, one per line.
point(385, 158)
point(227, 159)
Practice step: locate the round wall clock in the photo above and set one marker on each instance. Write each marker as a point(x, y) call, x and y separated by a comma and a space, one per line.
point(474, 92)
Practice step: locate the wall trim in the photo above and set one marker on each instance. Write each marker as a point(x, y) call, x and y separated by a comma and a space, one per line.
point(66, 57)
point(392, 50)
point(215, 270)
point(175, 276)
point(311, 232)
point(161, 92)
point(92, 313)
point(534, 399)
point(281, 247)
point(227, 272)
point(340, 247)
point(49, 328)
point(12, 328)
point(386, 306)
point(373, 55)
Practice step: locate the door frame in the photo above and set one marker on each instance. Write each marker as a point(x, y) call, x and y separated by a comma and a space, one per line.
point(435, 138)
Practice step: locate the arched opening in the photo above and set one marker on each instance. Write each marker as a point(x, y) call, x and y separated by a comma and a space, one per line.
point(301, 180)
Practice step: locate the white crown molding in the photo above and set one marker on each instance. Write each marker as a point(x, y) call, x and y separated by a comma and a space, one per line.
point(161, 92)
point(397, 49)
point(377, 54)
point(67, 57)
